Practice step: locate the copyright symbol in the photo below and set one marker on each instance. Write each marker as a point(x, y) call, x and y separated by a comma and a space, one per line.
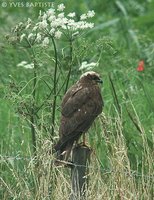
point(4, 4)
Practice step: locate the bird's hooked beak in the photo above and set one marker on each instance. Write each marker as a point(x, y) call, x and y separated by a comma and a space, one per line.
point(99, 81)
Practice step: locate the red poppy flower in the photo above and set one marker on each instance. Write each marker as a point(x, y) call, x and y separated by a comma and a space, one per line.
point(140, 67)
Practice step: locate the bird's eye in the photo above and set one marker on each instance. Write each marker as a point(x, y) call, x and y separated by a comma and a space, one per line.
point(95, 78)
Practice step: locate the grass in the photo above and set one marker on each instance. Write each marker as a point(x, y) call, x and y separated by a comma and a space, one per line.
point(122, 138)
point(112, 171)
point(23, 180)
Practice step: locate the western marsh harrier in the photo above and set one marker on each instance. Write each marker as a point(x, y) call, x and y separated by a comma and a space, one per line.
point(81, 104)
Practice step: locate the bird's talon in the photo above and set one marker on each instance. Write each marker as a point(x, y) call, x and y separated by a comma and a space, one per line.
point(83, 144)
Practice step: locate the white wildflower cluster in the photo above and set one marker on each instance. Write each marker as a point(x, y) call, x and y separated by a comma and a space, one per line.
point(26, 65)
point(90, 14)
point(88, 66)
point(53, 23)
point(29, 23)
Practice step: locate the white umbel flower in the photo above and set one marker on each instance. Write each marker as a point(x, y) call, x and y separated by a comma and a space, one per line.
point(44, 17)
point(30, 36)
point(38, 38)
point(28, 26)
point(26, 65)
point(52, 18)
point(43, 24)
point(55, 21)
point(71, 14)
point(52, 31)
point(89, 25)
point(35, 28)
point(58, 34)
point(45, 42)
point(90, 14)
point(29, 21)
point(40, 12)
point(61, 7)
point(83, 17)
point(29, 66)
point(61, 15)
point(22, 63)
point(22, 37)
point(51, 12)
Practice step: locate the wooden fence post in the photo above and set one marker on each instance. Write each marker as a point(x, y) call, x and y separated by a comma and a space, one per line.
point(79, 171)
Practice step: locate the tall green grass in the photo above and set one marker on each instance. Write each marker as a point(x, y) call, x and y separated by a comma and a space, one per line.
point(121, 163)
point(23, 179)
point(122, 138)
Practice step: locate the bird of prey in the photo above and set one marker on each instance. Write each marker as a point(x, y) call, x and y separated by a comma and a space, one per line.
point(81, 104)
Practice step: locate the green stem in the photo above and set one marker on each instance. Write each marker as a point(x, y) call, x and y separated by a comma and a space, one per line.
point(32, 118)
point(115, 97)
point(54, 88)
point(70, 64)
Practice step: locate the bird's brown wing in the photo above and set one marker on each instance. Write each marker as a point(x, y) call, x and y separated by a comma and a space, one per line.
point(78, 113)
point(74, 99)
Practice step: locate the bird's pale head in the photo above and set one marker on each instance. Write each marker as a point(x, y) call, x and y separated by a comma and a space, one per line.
point(91, 77)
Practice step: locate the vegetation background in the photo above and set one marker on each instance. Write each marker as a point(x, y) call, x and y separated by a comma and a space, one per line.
point(122, 138)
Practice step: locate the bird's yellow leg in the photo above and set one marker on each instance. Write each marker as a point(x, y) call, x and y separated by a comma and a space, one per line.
point(84, 139)
point(83, 142)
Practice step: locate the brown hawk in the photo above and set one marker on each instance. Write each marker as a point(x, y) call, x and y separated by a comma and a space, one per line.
point(81, 104)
